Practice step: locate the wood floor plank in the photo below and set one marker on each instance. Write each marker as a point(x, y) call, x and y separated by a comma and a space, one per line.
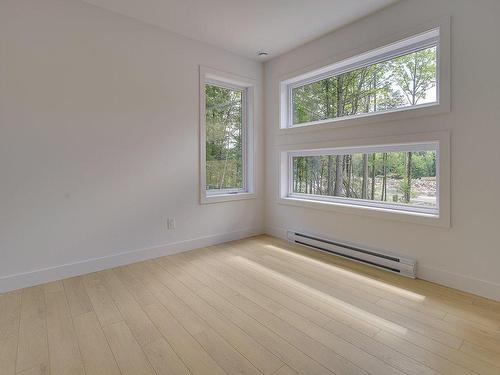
point(189, 350)
point(164, 359)
point(10, 312)
point(128, 353)
point(454, 355)
point(141, 326)
point(224, 354)
point(38, 370)
point(285, 370)
point(188, 318)
point(54, 286)
point(464, 332)
point(428, 358)
point(102, 303)
point(79, 301)
point(64, 353)
point(483, 353)
point(142, 295)
point(8, 351)
point(97, 356)
point(33, 346)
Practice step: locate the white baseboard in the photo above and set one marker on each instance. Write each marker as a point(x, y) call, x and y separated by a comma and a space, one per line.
point(276, 232)
point(483, 288)
point(45, 275)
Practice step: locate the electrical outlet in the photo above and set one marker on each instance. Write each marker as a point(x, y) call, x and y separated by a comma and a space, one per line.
point(171, 223)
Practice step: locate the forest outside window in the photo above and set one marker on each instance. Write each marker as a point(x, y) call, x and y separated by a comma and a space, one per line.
point(401, 177)
point(225, 139)
point(400, 76)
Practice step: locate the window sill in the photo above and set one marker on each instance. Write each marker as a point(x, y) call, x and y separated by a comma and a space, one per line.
point(374, 212)
point(217, 198)
point(429, 109)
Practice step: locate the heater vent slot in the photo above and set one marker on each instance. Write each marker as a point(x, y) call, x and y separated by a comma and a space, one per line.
point(389, 262)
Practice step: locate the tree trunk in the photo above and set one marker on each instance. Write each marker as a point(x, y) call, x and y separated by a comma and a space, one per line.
point(373, 177)
point(330, 176)
point(364, 188)
point(339, 183)
point(408, 177)
point(340, 96)
point(328, 104)
point(305, 176)
point(384, 179)
point(348, 167)
point(296, 176)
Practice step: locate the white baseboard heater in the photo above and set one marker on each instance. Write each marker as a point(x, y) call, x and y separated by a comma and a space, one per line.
point(389, 262)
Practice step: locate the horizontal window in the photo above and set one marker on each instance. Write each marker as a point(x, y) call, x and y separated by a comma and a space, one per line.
point(399, 76)
point(397, 177)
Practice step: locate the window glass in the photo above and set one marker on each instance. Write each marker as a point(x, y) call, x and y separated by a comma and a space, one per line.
point(224, 139)
point(405, 81)
point(393, 178)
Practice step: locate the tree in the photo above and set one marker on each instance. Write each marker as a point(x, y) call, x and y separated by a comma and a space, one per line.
point(223, 137)
point(407, 179)
point(374, 157)
point(384, 178)
point(339, 178)
point(364, 188)
point(330, 176)
point(415, 73)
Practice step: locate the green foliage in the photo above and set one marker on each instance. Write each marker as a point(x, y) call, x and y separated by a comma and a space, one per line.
point(400, 82)
point(386, 172)
point(224, 135)
point(415, 73)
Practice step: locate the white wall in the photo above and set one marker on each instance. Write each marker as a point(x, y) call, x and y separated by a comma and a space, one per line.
point(467, 255)
point(99, 141)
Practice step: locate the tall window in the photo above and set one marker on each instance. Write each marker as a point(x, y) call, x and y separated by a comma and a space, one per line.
point(399, 76)
point(226, 109)
point(397, 177)
point(224, 139)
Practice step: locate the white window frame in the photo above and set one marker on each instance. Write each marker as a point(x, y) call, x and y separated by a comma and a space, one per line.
point(439, 141)
point(246, 87)
point(434, 33)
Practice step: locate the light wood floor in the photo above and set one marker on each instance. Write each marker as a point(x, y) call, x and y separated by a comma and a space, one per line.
point(256, 306)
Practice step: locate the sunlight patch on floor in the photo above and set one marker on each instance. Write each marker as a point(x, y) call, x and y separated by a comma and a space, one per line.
point(355, 311)
point(353, 275)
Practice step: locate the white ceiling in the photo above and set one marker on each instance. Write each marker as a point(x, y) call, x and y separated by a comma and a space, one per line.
point(247, 26)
